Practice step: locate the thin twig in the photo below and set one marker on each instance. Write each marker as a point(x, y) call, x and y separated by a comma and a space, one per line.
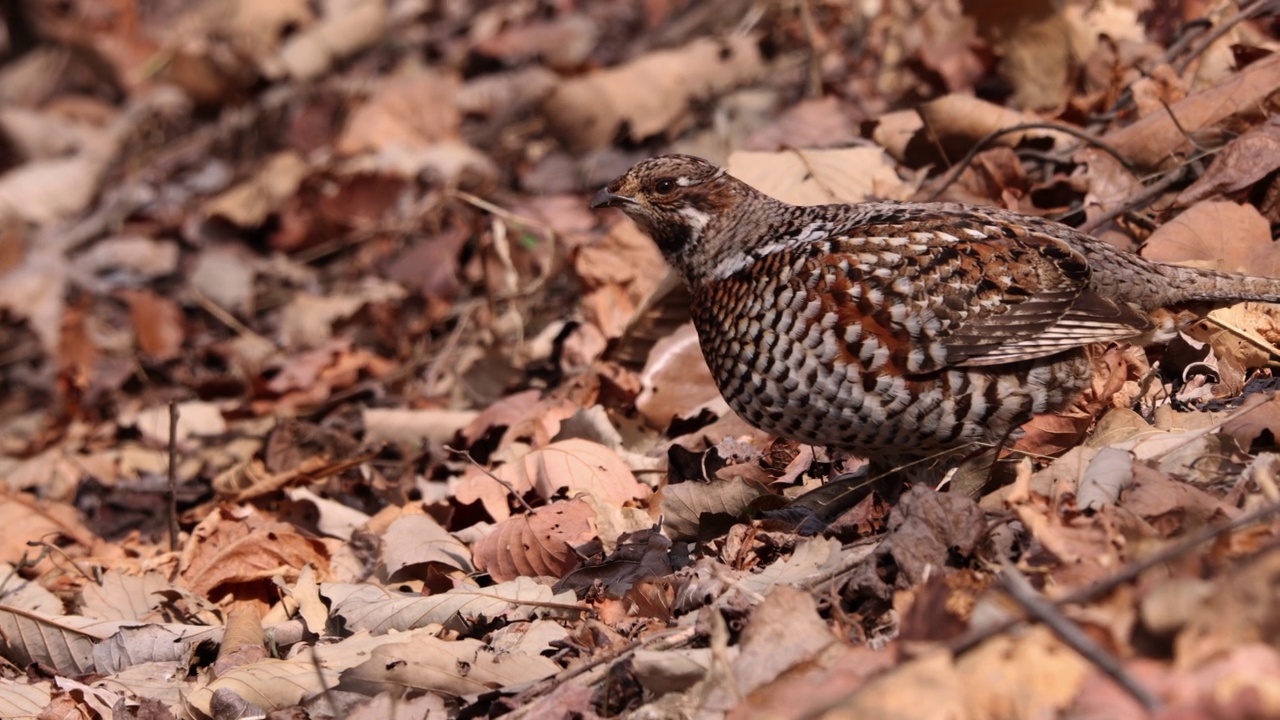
point(1208, 39)
point(510, 488)
point(1037, 607)
point(954, 173)
point(810, 36)
point(1142, 197)
point(226, 318)
point(974, 637)
point(173, 476)
point(661, 641)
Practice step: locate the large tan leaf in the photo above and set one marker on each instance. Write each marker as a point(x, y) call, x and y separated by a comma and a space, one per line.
point(23, 699)
point(64, 644)
point(1217, 235)
point(575, 465)
point(416, 539)
point(675, 380)
point(684, 504)
point(461, 667)
point(818, 177)
point(379, 610)
point(537, 543)
point(650, 95)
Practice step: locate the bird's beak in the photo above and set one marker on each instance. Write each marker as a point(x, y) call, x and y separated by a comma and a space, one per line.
point(604, 199)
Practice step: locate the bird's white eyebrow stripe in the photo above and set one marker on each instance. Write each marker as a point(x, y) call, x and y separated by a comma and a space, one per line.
point(686, 181)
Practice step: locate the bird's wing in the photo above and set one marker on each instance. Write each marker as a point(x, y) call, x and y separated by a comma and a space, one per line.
point(963, 291)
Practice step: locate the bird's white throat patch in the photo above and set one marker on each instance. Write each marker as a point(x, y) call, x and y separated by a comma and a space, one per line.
point(698, 220)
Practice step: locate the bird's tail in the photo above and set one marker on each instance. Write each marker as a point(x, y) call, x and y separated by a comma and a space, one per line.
point(1195, 285)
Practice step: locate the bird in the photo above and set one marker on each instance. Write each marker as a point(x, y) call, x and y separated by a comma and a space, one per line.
point(900, 332)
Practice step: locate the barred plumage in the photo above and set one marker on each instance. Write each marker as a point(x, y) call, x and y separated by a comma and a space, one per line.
point(898, 330)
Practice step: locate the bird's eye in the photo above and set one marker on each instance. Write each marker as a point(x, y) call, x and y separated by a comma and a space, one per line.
point(664, 186)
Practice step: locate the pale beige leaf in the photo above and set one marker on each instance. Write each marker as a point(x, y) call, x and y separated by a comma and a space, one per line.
point(55, 642)
point(369, 607)
point(418, 538)
point(27, 595)
point(819, 177)
point(650, 95)
point(810, 558)
point(415, 428)
point(461, 667)
point(267, 684)
point(249, 204)
point(119, 596)
point(576, 466)
point(312, 610)
point(22, 698)
point(195, 419)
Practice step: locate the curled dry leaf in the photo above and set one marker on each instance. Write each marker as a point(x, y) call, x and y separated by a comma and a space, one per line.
point(157, 324)
point(539, 543)
point(412, 109)
point(347, 28)
point(1033, 42)
point(687, 506)
point(238, 547)
point(1243, 162)
point(380, 610)
point(434, 426)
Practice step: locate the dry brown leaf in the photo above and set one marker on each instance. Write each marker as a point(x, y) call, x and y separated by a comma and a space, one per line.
point(539, 543)
point(461, 667)
point(818, 177)
point(1033, 40)
point(964, 120)
point(562, 43)
point(249, 204)
point(1159, 139)
point(574, 465)
point(686, 505)
point(1243, 162)
point(233, 549)
point(1217, 235)
point(225, 275)
point(1030, 675)
point(338, 35)
point(411, 109)
point(1239, 612)
point(676, 380)
point(785, 632)
point(648, 96)
point(820, 123)
point(417, 538)
point(157, 324)
point(414, 428)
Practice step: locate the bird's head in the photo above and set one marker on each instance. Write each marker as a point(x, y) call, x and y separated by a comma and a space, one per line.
point(680, 201)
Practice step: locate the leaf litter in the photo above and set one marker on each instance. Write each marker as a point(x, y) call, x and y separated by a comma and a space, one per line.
point(315, 288)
